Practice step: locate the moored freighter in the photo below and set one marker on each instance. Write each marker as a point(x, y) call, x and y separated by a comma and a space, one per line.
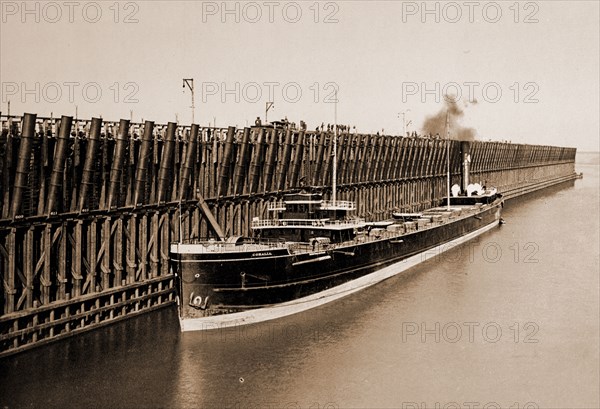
point(310, 251)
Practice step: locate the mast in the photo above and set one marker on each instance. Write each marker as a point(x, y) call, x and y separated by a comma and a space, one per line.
point(190, 84)
point(334, 187)
point(448, 159)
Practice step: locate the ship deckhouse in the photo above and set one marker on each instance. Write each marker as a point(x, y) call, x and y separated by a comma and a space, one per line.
point(306, 217)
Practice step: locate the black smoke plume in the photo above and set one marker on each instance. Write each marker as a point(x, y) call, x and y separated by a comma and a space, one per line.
point(436, 124)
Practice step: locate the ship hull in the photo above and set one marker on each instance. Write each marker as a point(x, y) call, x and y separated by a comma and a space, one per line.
point(254, 286)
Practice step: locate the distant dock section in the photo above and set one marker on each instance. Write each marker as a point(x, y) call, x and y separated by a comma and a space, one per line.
point(89, 207)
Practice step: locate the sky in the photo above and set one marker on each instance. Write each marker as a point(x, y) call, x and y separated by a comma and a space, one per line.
point(526, 71)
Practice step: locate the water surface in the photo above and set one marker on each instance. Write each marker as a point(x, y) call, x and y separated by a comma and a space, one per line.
point(509, 320)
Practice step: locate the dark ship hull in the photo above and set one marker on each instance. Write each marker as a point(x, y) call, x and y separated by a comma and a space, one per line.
point(223, 285)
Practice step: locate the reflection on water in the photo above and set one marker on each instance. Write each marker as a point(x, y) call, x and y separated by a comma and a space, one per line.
point(508, 319)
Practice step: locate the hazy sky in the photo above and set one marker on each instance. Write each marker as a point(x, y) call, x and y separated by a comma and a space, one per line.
point(532, 67)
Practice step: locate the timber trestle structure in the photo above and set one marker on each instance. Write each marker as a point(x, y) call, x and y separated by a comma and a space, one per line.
point(89, 207)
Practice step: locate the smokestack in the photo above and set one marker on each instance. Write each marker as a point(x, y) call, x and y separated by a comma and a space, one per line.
point(465, 150)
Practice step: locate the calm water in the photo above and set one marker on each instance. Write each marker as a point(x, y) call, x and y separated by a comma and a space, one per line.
point(512, 320)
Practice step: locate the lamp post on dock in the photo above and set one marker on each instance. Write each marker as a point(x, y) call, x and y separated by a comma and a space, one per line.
point(268, 106)
point(190, 83)
point(403, 113)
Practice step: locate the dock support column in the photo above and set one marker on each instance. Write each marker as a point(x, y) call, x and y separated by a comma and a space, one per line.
point(117, 164)
point(58, 165)
point(297, 162)
point(22, 171)
point(76, 267)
